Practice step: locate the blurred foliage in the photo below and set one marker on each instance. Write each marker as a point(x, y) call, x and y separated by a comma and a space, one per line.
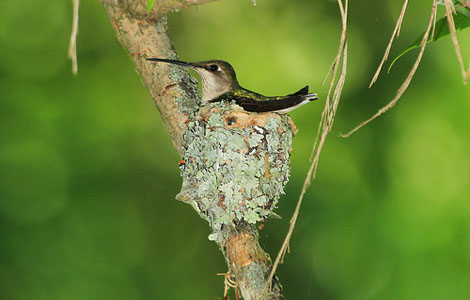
point(88, 174)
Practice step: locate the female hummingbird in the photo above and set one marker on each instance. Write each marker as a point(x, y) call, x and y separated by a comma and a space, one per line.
point(219, 83)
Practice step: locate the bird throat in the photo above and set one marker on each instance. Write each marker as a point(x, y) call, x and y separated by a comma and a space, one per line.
point(212, 86)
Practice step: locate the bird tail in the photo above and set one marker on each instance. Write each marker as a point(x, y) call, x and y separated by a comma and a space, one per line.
point(307, 98)
point(310, 97)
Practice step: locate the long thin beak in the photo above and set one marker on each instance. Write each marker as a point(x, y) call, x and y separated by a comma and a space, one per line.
point(171, 61)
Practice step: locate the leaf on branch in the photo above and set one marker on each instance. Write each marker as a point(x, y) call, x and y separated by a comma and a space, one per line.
point(150, 4)
point(462, 21)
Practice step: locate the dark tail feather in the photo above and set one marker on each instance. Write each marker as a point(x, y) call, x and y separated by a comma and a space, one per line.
point(310, 97)
point(302, 91)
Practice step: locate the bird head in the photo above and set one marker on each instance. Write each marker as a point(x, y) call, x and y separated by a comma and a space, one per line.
point(217, 76)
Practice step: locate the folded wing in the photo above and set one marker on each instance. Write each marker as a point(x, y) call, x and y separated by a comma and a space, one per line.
point(254, 102)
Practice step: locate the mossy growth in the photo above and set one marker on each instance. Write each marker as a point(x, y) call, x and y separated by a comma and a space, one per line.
point(236, 164)
point(185, 92)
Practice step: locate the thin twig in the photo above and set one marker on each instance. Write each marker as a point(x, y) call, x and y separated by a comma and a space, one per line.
point(450, 20)
point(325, 126)
point(72, 52)
point(407, 81)
point(328, 73)
point(317, 137)
point(468, 72)
point(396, 32)
point(332, 70)
point(433, 28)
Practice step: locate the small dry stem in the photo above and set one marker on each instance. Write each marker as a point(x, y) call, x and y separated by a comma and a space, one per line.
point(326, 123)
point(396, 32)
point(72, 52)
point(229, 283)
point(450, 9)
point(407, 81)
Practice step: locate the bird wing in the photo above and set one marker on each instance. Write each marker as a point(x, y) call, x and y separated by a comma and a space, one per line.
point(272, 104)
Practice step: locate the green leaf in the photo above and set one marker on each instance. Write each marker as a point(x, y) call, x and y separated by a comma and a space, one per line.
point(150, 4)
point(461, 19)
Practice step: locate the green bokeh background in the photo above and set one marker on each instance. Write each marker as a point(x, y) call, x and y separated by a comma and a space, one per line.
point(88, 174)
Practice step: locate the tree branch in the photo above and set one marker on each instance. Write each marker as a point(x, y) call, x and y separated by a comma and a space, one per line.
point(144, 35)
point(235, 163)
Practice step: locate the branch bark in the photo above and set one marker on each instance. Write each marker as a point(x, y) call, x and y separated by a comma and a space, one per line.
point(236, 163)
point(143, 35)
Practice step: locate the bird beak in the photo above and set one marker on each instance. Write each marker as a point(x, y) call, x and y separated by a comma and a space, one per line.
point(171, 61)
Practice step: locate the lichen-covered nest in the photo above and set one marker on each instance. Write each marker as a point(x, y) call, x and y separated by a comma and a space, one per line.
point(235, 164)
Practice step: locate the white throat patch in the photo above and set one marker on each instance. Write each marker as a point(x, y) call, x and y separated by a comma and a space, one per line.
point(213, 85)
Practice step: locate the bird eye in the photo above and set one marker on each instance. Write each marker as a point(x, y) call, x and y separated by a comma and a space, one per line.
point(214, 68)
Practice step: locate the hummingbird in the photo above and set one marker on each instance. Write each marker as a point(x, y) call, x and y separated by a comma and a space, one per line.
point(219, 83)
